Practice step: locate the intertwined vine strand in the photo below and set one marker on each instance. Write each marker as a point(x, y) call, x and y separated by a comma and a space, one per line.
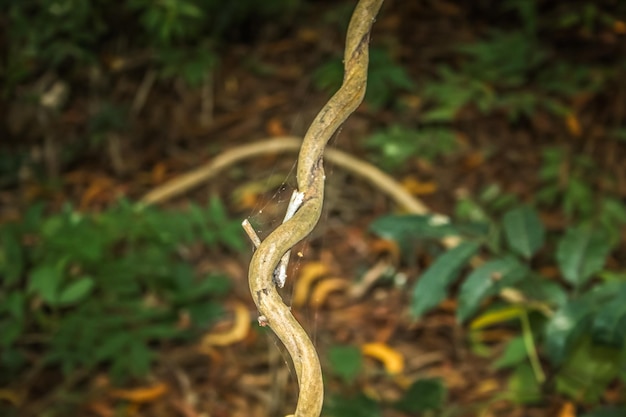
point(310, 178)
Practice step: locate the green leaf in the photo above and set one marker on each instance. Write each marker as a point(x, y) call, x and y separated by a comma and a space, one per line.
point(538, 288)
point(514, 354)
point(565, 326)
point(408, 229)
point(582, 252)
point(575, 318)
point(433, 284)
point(423, 395)
point(609, 325)
point(345, 361)
point(523, 387)
point(11, 332)
point(524, 231)
point(113, 345)
point(606, 411)
point(45, 281)
point(487, 280)
point(358, 406)
point(587, 372)
point(76, 291)
point(11, 256)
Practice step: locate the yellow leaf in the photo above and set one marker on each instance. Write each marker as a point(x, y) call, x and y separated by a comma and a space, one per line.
point(140, 395)
point(392, 360)
point(573, 125)
point(496, 317)
point(619, 27)
point(310, 273)
point(320, 293)
point(238, 332)
point(568, 410)
point(416, 187)
point(11, 396)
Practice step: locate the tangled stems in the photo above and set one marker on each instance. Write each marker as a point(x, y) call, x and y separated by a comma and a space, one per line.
point(310, 178)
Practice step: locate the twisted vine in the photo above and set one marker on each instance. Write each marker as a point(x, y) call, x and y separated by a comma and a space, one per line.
point(310, 176)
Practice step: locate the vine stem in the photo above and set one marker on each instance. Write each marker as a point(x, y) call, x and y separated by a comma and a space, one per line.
point(310, 177)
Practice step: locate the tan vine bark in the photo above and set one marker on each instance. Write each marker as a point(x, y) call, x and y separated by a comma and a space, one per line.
point(310, 178)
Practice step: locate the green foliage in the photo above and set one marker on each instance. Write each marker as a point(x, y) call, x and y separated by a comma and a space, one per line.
point(422, 396)
point(385, 78)
point(394, 146)
point(565, 183)
point(103, 289)
point(51, 33)
point(357, 406)
point(345, 361)
point(510, 72)
point(582, 332)
point(183, 34)
point(523, 387)
point(432, 287)
point(606, 412)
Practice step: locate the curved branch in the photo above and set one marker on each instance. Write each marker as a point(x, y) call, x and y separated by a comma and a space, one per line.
point(363, 169)
point(310, 178)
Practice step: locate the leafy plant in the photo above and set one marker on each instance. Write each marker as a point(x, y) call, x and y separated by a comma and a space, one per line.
point(51, 33)
point(565, 324)
point(345, 361)
point(510, 72)
point(385, 78)
point(566, 184)
point(394, 145)
point(183, 34)
point(90, 290)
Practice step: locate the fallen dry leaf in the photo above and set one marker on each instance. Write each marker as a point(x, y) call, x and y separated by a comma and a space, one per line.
point(236, 333)
point(417, 187)
point(311, 272)
point(573, 125)
point(140, 395)
point(275, 127)
point(324, 288)
point(567, 410)
point(392, 360)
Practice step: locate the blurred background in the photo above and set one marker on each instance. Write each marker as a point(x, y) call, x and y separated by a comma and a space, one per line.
point(506, 117)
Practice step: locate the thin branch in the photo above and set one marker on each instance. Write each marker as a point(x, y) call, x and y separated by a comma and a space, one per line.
point(183, 183)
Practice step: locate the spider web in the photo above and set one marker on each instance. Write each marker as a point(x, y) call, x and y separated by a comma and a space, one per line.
point(278, 182)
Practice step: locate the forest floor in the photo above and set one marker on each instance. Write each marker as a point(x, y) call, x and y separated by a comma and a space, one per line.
point(263, 89)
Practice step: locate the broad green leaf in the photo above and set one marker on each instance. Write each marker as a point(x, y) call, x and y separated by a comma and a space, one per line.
point(523, 387)
point(524, 231)
point(357, 406)
point(607, 411)
point(15, 305)
point(515, 353)
point(433, 284)
point(609, 325)
point(45, 281)
point(76, 291)
point(565, 327)
point(345, 361)
point(423, 395)
point(486, 281)
point(112, 346)
point(587, 372)
point(11, 331)
point(408, 229)
point(538, 288)
point(582, 252)
point(11, 256)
